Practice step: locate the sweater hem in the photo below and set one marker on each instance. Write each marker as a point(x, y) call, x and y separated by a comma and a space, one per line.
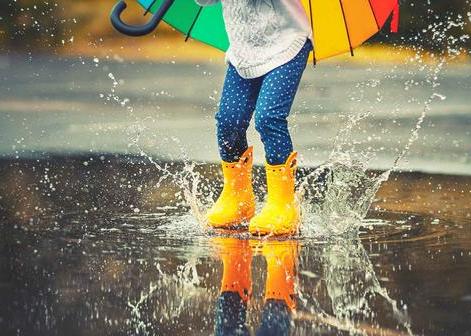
point(277, 60)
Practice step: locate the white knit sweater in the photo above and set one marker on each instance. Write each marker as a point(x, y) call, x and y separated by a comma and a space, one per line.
point(263, 34)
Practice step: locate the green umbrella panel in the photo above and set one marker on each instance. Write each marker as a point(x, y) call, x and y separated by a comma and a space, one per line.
point(205, 24)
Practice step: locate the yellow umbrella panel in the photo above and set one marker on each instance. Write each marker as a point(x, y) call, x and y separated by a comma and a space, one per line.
point(340, 26)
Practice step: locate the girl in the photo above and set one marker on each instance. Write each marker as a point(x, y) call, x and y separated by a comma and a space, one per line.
point(270, 41)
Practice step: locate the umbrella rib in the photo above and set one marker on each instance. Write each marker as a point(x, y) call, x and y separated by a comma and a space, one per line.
point(193, 23)
point(149, 7)
point(346, 28)
point(374, 15)
point(312, 28)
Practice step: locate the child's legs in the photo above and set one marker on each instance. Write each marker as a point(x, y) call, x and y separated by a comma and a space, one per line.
point(276, 97)
point(238, 100)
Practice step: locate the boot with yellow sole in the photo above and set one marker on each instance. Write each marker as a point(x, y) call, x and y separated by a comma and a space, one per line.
point(280, 215)
point(236, 204)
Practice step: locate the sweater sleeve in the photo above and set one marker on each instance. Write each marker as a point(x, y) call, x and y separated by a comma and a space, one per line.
point(206, 2)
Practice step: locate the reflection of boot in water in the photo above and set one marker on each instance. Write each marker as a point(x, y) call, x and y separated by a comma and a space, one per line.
point(231, 306)
point(279, 287)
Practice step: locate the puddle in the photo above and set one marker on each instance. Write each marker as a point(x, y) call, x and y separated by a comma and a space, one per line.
point(82, 260)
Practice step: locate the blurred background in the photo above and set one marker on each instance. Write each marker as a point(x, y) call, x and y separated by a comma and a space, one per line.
point(71, 84)
point(28, 25)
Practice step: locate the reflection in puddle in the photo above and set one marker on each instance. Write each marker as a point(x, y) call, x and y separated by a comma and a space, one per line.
point(279, 299)
point(267, 287)
point(347, 279)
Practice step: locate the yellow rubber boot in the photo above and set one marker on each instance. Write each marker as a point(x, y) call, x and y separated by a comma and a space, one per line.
point(281, 271)
point(236, 203)
point(280, 215)
point(236, 256)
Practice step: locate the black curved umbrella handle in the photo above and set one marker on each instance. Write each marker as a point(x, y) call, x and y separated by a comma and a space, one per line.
point(132, 30)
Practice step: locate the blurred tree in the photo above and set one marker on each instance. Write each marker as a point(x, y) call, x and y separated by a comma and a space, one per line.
point(45, 25)
point(29, 24)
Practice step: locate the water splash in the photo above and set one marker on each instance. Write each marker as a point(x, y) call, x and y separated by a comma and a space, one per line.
point(342, 190)
point(182, 283)
point(348, 292)
point(336, 197)
point(188, 177)
point(352, 284)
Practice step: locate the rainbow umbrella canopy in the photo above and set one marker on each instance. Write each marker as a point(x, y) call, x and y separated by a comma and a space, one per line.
point(338, 26)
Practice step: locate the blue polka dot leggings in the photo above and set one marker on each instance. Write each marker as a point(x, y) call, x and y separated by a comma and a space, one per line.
point(271, 97)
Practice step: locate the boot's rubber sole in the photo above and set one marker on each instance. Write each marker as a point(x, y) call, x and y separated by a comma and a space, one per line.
point(233, 225)
point(271, 233)
point(267, 232)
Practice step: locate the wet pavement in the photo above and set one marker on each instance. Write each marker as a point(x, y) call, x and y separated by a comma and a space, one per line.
point(83, 105)
point(107, 245)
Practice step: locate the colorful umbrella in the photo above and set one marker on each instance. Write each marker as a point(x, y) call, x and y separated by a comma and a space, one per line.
point(338, 26)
